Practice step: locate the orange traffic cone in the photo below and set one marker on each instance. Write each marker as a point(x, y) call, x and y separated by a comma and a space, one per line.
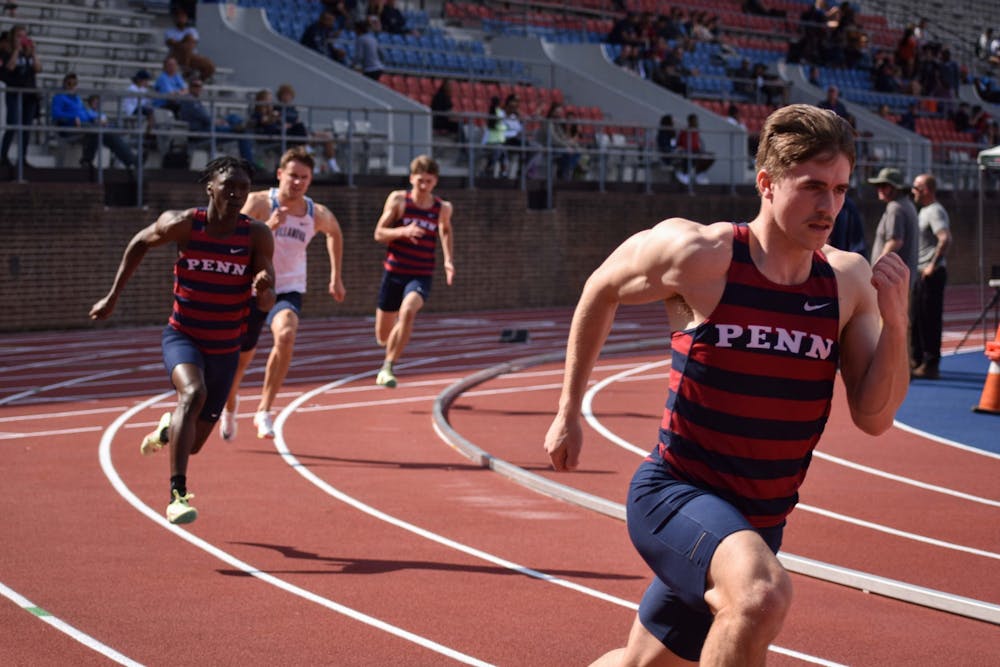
point(990, 400)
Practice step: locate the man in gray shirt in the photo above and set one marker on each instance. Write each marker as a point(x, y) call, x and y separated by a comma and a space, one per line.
point(897, 230)
point(927, 302)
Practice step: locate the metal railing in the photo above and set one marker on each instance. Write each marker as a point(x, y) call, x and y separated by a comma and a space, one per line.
point(607, 153)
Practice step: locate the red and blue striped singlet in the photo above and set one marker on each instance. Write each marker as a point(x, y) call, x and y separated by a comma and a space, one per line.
point(751, 387)
point(212, 285)
point(405, 256)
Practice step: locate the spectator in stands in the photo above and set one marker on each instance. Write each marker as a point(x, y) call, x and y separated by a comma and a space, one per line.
point(295, 127)
point(561, 137)
point(367, 56)
point(393, 21)
point(19, 65)
point(667, 75)
point(832, 102)
point(321, 35)
point(856, 50)
point(70, 111)
point(908, 118)
point(743, 80)
point(814, 76)
point(771, 90)
point(992, 136)
point(666, 140)
point(979, 120)
point(961, 118)
point(442, 105)
point(733, 116)
point(264, 117)
point(514, 135)
point(629, 59)
point(884, 79)
point(951, 75)
point(182, 44)
point(348, 11)
point(814, 32)
point(171, 83)
point(343, 12)
point(494, 137)
point(189, 6)
point(984, 45)
point(696, 159)
point(140, 104)
point(199, 119)
point(906, 52)
point(626, 31)
point(849, 229)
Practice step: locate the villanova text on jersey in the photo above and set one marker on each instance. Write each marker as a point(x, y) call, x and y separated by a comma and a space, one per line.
point(751, 388)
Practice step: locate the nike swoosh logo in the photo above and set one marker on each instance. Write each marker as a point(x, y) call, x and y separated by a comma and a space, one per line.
point(235, 251)
point(810, 307)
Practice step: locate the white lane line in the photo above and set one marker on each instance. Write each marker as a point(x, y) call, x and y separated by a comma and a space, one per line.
point(64, 627)
point(72, 382)
point(116, 481)
point(302, 469)
point(915, 537)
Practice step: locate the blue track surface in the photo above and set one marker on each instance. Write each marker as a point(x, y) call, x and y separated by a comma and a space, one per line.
point(944, 407)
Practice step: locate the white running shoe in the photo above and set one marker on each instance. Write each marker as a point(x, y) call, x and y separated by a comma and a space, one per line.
point(153, 442)
point(227, 422)
point(179, 510)
point(265, 424)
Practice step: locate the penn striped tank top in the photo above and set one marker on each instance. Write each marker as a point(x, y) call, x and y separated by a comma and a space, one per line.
point(405, 256)
point(751, 388)
point(212, 285)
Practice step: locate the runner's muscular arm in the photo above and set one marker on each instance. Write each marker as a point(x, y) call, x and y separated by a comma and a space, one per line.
point(647, 267)
point(874, 358)
point(327, 223)
point(261, 258)
point(395, 205)
point(171, 226)
point(447, 240)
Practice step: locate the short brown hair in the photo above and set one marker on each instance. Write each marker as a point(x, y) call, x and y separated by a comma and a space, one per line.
point(798, 133)
point(424, 164)
point(298, 154)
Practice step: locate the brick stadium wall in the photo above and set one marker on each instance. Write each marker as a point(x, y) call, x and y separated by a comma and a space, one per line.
point(62, 247)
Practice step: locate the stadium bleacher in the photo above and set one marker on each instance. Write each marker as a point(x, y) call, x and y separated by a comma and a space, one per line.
point(451, 40)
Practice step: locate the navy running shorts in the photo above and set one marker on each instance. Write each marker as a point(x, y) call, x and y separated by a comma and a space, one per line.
point(255, 321)
point(218, 369)
point(676, 528)
point(395, 287)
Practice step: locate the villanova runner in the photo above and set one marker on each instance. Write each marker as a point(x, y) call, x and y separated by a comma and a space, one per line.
point(223, 257)
point(410, 225)
point(762, 315)
point(294, 219)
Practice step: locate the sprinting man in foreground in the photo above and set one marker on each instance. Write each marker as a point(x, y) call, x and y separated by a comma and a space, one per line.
point(223, 257)
point(762, 315)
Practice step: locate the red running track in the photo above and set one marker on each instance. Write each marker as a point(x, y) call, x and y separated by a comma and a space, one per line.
point(359, 537)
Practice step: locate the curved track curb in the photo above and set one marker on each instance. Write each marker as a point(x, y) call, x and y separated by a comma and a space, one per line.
point(863, 581)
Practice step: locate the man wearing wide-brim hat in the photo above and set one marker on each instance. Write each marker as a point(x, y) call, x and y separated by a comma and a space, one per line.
point(898, 229)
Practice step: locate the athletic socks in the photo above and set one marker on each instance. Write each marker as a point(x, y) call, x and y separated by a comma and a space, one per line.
point(178, 483)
